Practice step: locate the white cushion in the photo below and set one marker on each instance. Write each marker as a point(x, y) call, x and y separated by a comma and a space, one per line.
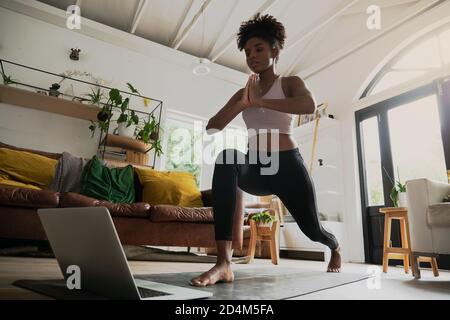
point(439, 214)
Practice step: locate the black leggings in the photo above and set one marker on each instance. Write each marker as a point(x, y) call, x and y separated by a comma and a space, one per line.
point(291, 183)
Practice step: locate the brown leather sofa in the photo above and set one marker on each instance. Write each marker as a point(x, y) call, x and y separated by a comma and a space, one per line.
point(137, 224)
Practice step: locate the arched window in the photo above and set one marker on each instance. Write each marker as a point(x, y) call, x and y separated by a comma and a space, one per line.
point(428, 54)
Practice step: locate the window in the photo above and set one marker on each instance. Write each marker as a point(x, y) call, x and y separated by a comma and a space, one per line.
point(426, 55)
point(372, 162)
point(182, 141)
point(188, 148)
point(415, 136)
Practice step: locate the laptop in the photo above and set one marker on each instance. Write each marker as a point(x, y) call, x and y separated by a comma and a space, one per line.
point(86, 237)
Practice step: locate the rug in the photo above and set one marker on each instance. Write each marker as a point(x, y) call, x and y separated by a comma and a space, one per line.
point(133, 253)
point(266, 283)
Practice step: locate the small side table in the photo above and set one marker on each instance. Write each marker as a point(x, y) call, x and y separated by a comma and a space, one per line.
point(404, 252)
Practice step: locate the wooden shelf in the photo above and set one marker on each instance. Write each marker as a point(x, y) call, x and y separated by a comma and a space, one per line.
point(38, 101)
point(126, 143)
point(120, 164)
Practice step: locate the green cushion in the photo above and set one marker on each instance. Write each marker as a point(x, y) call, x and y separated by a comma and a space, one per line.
point(111, 184)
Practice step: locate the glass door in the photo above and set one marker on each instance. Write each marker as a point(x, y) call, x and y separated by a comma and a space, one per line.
point(402, 138)
point(416, 141)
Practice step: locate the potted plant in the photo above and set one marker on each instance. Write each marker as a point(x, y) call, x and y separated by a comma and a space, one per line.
point(263, 219)
point(149, 133)
point(398, 191)
point(128, 119)
point(96, 96)
point(53, 90)
point(104, 115)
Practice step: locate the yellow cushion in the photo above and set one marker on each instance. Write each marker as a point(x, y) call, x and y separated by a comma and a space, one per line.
point(26, 167)
point(169, 187)
point(16, 184)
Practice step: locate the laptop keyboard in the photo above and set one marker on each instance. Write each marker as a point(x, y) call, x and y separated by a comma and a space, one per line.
point(148, 293)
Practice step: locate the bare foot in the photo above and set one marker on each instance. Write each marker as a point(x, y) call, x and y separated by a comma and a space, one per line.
point(335, 261)
point(219, 273)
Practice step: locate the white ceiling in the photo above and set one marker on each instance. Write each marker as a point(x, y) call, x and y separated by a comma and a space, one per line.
point(315, 29)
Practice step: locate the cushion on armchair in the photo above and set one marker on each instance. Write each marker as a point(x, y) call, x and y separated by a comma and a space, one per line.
point(439, 215)
point(171, 188)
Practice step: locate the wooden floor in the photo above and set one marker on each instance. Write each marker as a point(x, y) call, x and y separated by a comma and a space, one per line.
point(393, 285)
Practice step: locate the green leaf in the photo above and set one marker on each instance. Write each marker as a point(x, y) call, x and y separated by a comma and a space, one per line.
point(114, 95)
point(132, 88)
point(394, 196)
point(134, 117)
point(124, 105)
point(263, 217)
point(122, 118)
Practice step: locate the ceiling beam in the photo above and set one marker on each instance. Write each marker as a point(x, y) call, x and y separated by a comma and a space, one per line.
point(383, 4)
point(181, 22)
point(213, 46)
point(179, 39)
point(216, 54)
point(305, 50)
point(118, 38)
point(410, 13)
point(315, 27)
point(138, 15)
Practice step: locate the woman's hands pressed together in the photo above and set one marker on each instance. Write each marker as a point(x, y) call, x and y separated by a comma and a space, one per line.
point(252, 93)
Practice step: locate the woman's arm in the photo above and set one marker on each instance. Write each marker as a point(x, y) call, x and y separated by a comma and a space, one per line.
point(233, 107)
point(299, 100)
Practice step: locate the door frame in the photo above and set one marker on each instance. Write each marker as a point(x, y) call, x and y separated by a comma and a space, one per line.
point(380, 111)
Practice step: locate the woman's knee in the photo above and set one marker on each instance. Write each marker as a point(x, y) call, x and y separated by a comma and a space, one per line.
point(315, 236)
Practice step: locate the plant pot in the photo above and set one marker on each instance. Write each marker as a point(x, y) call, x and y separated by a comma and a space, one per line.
point(154, 136)
point(402, 201)
point(264, 224)
point(125, 131)
point(53, 91)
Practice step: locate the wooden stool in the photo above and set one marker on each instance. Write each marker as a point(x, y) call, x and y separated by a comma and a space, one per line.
point(404, 252)
point(417, 258)
point(264, 234)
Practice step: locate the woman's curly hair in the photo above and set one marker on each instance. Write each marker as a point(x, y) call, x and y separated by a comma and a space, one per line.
point(265, 27)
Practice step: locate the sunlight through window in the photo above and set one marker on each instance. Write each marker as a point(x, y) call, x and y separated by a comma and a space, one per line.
point(424, 56)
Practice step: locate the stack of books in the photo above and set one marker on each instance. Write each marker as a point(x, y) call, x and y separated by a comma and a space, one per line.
point(115, 153)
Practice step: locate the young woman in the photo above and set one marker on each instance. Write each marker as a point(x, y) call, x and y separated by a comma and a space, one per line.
point(268, 102)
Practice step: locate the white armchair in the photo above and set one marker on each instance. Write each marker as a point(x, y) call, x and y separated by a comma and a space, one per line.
point(429, 218)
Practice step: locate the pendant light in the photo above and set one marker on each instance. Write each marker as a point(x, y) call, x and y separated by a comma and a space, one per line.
point(201, 68)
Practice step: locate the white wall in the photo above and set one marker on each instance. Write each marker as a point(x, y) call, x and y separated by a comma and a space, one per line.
point(45, 46)
point(341, 84)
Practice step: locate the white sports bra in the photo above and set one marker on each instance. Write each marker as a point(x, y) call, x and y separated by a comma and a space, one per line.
point(258, 118)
